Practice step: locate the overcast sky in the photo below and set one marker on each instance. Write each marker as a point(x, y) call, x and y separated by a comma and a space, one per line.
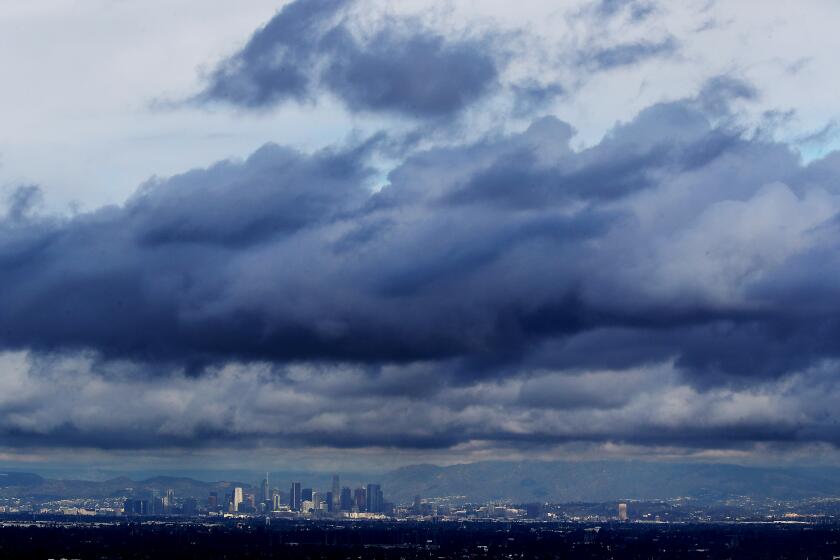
point(359, 234)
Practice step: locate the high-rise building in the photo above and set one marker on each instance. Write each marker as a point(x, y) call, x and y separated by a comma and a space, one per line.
point(213, 501)
point(306, 494)
point(329, 502)
point(534, 510)
point(136, 507)
point(169, 502)
point(316, 501)
point(346, 499)
point(155, 503)
point(265, 495)
point(236, 499)
point(360, 499)
point(375, 501)
point(336, 488)
point(295, 497)
point(622, 512)
point(190, 507)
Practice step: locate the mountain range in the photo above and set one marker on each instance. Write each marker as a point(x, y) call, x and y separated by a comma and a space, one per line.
point(515, 482)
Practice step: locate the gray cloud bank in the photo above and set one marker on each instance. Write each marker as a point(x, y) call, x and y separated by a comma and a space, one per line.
point(670, 286)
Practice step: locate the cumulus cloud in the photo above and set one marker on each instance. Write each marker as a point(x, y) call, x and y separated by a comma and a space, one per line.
point(671, 225)
point(401, 68)
point(669, 285)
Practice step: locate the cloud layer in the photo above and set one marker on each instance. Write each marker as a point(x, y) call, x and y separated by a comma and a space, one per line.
point(668, 288)
point(519, 290)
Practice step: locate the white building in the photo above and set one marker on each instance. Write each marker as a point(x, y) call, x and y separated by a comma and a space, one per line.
point(237, 499)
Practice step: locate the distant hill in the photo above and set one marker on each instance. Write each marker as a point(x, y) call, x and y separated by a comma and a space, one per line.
point(518, 482)
point(598, 481)
point(31, 485)
point(13, 479)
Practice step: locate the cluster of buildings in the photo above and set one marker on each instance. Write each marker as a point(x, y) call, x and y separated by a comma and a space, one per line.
point(160, 505)
point(361, 502)
point(299, 500)
point(337, 502)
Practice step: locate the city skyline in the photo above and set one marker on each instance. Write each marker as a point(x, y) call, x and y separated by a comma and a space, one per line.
point(470, 279)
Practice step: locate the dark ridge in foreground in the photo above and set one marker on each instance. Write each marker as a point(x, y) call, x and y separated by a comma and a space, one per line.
point(407, 541)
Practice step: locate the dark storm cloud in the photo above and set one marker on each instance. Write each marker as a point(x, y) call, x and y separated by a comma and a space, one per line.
point(481, 253)
point(232, 204)
point(482, 289)
point(402, 68)
point(274, 65)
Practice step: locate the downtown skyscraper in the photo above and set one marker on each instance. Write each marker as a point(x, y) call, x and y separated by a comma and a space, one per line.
point(295, 496)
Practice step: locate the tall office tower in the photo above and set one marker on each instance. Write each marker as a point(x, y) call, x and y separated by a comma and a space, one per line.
point(213, 501)
point(375, 500)
point(266, 496)
point(316, 501)
point(190, 507)
point(306, 494)
point(336, 488)
point(622, 512)
point(170, 499)
point(329, 502)
point(237, 499)
point(294, 496)
point(275, 502)
point(346, 500)
point(359, 499)
point(153, 503)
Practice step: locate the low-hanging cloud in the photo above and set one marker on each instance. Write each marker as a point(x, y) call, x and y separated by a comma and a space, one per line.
point(71, 402)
